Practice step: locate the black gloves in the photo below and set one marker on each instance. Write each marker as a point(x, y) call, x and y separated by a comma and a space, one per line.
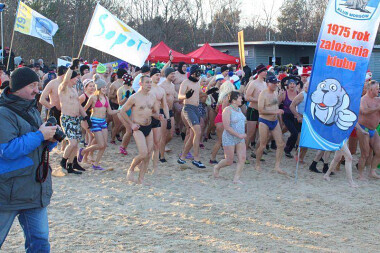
point(189, 93)
point(212, 90)
point(169, 124)
point(89, 123)
point(74, 64)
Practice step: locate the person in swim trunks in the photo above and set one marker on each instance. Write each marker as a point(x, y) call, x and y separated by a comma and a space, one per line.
point(100, 105)
point(168, 126)
point(70, 118)
point(268, 122)
point(369, 119)
point(254, 88)
point(144, 106)
point(189, 92)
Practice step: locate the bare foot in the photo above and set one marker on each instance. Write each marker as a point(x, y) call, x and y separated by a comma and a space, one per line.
point(238, 182)
point(130, 176)
point(58, 173)
point(142, 182)
point(326, 177)
point(373, 174)
point(280, 171)
point(353, 184)
point(258, 168)
point(362, 178)
point(216, 171)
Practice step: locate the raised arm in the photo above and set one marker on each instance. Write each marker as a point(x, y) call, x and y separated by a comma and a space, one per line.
point(167, 65)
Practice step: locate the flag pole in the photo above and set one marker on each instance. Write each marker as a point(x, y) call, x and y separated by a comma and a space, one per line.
point(298, 161)
point(13, 34)
point(85, 37)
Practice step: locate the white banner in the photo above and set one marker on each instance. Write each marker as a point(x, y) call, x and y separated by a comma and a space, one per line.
point(108, 34)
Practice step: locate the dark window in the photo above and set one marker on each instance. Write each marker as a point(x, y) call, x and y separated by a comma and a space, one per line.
point(304, 60)
point(278, 61)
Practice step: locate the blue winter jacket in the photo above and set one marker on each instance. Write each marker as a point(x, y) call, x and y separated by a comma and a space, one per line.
point(21, 149)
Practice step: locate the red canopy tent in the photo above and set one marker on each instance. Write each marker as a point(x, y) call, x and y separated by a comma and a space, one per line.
point(207, 54)
point(161, 53)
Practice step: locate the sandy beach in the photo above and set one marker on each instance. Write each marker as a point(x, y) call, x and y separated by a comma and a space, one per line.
point(186, 210)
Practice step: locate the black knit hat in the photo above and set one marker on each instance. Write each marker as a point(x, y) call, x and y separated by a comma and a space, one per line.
point(154, 71)
point(22, 77)
point(223, 68)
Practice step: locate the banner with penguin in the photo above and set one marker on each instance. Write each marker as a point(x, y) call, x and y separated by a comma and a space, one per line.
point(341, 60)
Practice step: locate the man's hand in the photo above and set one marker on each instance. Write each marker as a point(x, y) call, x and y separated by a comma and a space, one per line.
point(47, 131)
point(74, 64)
point(161, 117)
point(189, 93)
point(135, 127)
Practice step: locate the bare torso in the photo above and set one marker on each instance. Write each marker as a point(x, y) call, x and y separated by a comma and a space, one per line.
point(142, 109)
point(194, 99)
point(370, 120)
point(170, 93)
point(178, 79)
point(69, 101)
point(113, 90)
point(270, 104)
point(259, 86)
point(53, 95)
point(158, 92)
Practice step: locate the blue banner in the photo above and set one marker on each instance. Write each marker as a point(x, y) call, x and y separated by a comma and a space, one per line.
point(341, 60)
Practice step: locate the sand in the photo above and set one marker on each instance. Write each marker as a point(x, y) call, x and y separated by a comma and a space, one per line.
point(186, 210)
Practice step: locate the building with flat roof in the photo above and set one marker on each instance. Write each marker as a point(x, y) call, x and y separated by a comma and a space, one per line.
point(285, 52)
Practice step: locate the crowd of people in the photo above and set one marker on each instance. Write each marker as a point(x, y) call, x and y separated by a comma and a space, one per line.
point(241, 112)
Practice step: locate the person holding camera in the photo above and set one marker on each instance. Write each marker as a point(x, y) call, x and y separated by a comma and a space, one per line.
point(25, 175)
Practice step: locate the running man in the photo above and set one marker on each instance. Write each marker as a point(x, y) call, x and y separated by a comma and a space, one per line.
point(189, 92)
point(144, 106)
point(70, 118)
point(168, 126)
point(254, 88)
point(369, 119)
point(268, 122)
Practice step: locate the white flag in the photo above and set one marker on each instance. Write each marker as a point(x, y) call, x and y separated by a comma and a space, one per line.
point(108, 34)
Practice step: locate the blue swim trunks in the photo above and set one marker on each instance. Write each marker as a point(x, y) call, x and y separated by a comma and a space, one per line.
point(271, 124)
point(98, 124)
point(370, 132)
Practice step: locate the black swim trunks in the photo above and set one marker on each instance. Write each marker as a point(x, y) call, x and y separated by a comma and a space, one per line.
point(252, 114)
point(155, 123)
point(146, 129)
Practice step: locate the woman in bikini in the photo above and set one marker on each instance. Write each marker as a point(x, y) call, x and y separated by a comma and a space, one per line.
point(89, 89)
point(225, 89)
point(100, 107)
point(123, 93)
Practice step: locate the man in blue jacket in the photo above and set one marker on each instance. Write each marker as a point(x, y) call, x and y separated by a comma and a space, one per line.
point(25, 189)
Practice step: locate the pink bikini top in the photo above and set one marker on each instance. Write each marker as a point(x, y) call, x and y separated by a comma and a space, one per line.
point(99, 104)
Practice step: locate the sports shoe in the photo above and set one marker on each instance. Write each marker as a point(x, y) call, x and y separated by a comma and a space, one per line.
point(123, 151)
point(199, 164)
point(180, 161)
point(213, 161)
point(289, 155)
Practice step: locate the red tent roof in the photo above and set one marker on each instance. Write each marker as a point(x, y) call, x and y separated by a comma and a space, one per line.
point(207, 54)
point(161, 53)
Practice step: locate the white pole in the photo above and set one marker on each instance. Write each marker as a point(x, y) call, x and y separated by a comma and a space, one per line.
point(2, 39)
point(298, 161)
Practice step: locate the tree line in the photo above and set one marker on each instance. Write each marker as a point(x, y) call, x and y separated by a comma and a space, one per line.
point(180, 24)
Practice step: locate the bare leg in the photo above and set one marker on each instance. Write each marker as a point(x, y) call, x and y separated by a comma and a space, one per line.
point(227, 161)
point(302, 154)
point(241, 154)
point(103, 136)
point(164, 134)
point(144, 164)
point(364, 150)
point(251, 131)
point(156, 146)
point(196, 129)
point(218, 143)
point(143, 153)
point(277, 136)
point(375, 144)
point(264, 132)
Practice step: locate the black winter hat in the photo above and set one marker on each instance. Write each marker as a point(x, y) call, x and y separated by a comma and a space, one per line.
point(223, 68)
point(22, 77)
point(154, 71)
